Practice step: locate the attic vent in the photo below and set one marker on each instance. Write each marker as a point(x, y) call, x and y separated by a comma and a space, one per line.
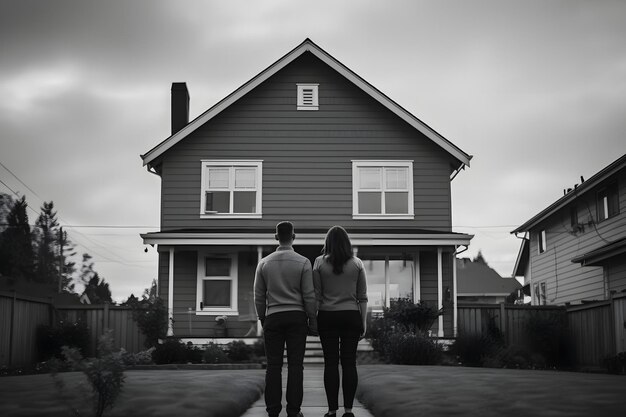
point(307, 96)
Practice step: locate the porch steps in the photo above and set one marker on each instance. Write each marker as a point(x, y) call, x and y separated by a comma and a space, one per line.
point(315, 354)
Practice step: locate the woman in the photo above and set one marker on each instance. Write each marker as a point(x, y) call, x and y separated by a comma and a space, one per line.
point(341, 291)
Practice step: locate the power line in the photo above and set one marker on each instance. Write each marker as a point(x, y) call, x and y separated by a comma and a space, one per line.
point(19, 196)
point(21, 182)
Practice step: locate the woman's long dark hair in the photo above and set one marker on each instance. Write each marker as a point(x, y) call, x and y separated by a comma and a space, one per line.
point(337, 248)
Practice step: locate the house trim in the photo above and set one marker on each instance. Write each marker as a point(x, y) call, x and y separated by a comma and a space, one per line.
point(306, 46)
point(586, 186)
point(165, 238)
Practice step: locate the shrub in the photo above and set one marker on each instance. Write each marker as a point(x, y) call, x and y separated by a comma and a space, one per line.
point(413, 349)
point(378, 331)
point(508, 357)
point(258, 348)
point(414, 317)
point(213, 353)
point(239, 351)
point(104, 373)
point(546, 336)
point(174, 351)
point(472, 348)
point(616, 364)
point(151, 318)
point(140, 358)
point(50, 339)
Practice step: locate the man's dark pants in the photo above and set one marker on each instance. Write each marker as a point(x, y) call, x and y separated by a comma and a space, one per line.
point(291, 328)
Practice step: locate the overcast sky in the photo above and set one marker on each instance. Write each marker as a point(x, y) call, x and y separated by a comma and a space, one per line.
point(534, 90)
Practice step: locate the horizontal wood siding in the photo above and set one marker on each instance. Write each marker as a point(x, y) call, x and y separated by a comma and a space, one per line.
point(186, 322)
point(307, 169)
point(567, 281)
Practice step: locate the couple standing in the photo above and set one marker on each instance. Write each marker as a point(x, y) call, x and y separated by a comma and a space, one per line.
point(293, 300)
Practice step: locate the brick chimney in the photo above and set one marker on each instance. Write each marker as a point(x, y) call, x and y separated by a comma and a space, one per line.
point(180, 106)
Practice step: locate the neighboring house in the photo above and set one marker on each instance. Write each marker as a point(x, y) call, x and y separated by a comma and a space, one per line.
point(575, 249)
point(309, 141)
point(479, 284)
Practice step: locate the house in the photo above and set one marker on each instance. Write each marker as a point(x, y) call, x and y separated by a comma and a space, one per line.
point(309, 141)
point(575, 249)
point(480, 284)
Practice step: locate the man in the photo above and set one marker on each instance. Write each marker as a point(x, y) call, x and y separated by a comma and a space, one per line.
point(285, 303)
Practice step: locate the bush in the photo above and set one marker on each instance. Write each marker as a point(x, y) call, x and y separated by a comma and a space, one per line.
point(546, 336)
point(239, 351)
point(105, 373)
point(50, 339)
point(616, 364)
point(213, 353)
point(140, 358)
point(473, 348)
point(258, 348)
point(151, 318)
point(174, 351)
point(509, 357)
point(413, 349)
point(413, 317)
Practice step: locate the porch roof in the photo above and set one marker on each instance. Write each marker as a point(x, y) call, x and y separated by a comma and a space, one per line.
point(598, 256)
point(410, 237)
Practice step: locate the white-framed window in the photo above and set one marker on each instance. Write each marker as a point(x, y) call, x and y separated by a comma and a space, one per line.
point(542, 241)
point(217, 283)
point(608, 202)
point(382, 189)
point(307, 96)
point(231, 189)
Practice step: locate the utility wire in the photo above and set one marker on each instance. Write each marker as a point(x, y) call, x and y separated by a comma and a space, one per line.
point(21, 182)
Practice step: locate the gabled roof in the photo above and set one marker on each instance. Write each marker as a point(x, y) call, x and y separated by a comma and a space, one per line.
point(307, 46)
point(592, 182)
point(478, 279)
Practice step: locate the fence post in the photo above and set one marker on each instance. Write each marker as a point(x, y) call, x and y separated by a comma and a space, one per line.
point(502, 319)
point(11, 328)
point(613, 333)
point(105, 318)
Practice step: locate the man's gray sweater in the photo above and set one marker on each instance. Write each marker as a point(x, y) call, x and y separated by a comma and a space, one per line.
point(284, 282)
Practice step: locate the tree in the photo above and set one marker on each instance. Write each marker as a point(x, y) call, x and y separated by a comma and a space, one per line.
point(69, 266)
point(16, 251)
point(6, 202)
point(95, 287)
point(98, 290)
point(150, 314)
point(480, 259)
point(47, 243)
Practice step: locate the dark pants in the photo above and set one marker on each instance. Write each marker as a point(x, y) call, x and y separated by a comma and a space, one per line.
point(288, 327)
point(339, 332)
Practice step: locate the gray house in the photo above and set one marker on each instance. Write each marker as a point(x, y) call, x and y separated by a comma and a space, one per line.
point(306, 140)
point(575, 249)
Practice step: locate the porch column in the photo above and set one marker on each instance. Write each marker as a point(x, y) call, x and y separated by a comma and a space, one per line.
point(439, 290)
point(387, 300)
point(417, 284)
point(170, 296)
point(454, 299)
point(259, 327)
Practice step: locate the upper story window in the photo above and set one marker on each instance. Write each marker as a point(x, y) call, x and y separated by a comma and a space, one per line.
point(216, 291)
point(608, 202)
point(308, 96)
point(542, 241)
point(231, 189)
point(382, 189)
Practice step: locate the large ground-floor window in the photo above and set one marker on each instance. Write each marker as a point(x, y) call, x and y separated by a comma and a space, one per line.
point(217, 283)
point(388, 279)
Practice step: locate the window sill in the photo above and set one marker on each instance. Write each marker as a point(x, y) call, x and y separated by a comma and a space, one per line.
point(206, 312)
point(307, 107)
point(383, 216)
point(230, 216)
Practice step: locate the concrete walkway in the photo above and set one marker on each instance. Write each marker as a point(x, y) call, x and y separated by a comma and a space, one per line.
point(314, 403)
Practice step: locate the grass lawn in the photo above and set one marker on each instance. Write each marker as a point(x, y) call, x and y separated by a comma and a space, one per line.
point(222, 393)
point(401, 390)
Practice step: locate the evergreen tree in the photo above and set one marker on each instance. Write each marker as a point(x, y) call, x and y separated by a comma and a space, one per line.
point(6, 202)
point(480, 259)
point(16, 251)
point(69, 266)
point(86, 270)
point(98, 290)
point(47, 239)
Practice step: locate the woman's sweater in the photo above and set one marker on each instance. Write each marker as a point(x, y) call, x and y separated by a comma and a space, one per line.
point(335, 292)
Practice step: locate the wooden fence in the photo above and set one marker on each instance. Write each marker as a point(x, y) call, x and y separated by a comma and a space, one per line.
point(596, 330)
point(20, 316)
